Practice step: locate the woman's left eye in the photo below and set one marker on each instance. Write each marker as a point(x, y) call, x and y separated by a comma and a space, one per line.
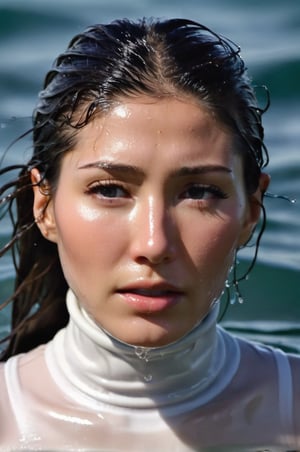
point(203, 192)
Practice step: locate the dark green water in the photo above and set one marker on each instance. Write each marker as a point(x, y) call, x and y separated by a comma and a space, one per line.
point(33, 32)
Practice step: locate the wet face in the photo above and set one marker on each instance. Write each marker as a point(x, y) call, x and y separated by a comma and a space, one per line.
point(149, 209)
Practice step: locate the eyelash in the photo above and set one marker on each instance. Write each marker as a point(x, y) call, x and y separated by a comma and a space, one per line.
point(215, 191)
point(97, 188)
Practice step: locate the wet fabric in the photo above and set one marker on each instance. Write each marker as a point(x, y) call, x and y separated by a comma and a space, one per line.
point(85, 390)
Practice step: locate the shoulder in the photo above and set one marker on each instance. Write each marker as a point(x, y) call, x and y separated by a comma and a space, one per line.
point(266, 368)
point(258, 362)
point(4, 379)
point(252, 352)
point(2, 384)
point(278, 373)
point(7, 415)
point(19, 369)
point(19, 377)
point(294, 361)
point(295, 365)
point(256, 377)
point(253, 355)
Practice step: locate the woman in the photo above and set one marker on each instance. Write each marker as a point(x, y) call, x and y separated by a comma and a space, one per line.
point(145, 181)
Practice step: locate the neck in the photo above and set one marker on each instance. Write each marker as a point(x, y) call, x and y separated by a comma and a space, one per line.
point(107, 370)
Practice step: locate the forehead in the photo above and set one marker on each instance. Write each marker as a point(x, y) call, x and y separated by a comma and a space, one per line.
point(134, 128)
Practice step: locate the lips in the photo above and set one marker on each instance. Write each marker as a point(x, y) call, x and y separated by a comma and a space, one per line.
point(152, 292)
point(147, 298)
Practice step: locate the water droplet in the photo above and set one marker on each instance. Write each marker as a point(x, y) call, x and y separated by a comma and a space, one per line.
point(240, 300)
point(142, 353)
point(293, 201)
point(227, 283)
point(138, 351)
point(148, 378)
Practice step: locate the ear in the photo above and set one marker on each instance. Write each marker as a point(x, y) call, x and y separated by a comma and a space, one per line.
point(254, 209)
point(43, 206)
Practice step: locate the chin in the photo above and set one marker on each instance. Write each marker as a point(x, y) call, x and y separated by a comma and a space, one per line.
point(142, 331)
point(158, 337)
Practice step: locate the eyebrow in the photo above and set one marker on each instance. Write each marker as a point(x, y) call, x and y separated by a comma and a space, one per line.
point(134, 170)
point(114, 167)
point(204, 169)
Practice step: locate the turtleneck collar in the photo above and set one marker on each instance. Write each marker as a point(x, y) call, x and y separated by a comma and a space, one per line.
point(89, 364)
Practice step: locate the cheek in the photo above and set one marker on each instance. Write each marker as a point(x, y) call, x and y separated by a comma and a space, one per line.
point(85, 237)
point(212, 246)
point(213, 261)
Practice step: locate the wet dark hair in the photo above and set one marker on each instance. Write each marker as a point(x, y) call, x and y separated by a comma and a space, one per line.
point(101, 66)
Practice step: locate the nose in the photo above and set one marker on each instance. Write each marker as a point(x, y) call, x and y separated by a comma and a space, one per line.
point(154, 233)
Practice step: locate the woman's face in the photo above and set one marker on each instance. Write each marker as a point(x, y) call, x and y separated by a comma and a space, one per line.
point(149, 209)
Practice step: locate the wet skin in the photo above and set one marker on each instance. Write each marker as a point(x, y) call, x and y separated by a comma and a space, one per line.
point(148, 212)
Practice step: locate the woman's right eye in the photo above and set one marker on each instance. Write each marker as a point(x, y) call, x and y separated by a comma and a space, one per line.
point(107, 190)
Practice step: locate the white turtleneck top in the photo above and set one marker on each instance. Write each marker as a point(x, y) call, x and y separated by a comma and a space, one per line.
point(87, 391)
